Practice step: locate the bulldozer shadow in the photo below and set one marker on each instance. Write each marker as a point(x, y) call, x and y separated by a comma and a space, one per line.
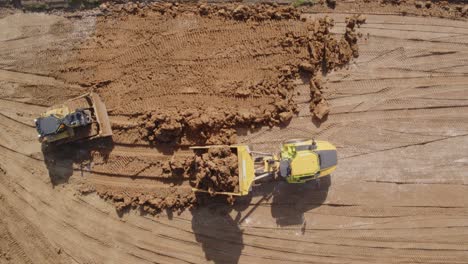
point(292, 201)
point(62, 161)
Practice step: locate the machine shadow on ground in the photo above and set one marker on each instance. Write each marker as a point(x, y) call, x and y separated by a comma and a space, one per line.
point(220, 234)
point(291, 201)
point(63, 160)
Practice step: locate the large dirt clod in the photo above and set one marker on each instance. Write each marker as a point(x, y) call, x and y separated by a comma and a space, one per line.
point(216, 171)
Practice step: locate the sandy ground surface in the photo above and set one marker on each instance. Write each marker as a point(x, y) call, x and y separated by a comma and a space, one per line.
point(398, 117)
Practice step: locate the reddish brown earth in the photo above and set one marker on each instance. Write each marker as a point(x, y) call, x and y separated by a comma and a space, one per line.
point(216, 170)
point(201, 72)
point(165, 89)
point(396, 114)
point(235, 73)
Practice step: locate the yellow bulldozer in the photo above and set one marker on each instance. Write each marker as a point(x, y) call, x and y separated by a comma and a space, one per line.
point(81, 118)
point(299, 161)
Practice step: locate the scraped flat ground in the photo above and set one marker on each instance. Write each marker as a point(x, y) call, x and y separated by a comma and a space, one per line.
point(398, 117)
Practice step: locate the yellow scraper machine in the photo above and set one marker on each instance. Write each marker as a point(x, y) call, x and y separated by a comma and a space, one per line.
point(81, 118)
point(299, 161)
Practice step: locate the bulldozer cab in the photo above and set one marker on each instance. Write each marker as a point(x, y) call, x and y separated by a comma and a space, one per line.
point(83, 117)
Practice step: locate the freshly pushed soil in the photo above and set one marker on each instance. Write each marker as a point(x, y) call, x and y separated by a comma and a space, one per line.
point(203, 70)
point(397, 115)
point(329, 53)
point(216, 170)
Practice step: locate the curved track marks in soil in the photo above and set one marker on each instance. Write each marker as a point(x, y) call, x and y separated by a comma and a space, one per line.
point(398, 195)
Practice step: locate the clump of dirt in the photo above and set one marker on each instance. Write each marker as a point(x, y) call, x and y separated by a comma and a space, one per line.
point(86, 189)
point(318, 105)
point(335, 53)
point(216, 171)
point(328, 53)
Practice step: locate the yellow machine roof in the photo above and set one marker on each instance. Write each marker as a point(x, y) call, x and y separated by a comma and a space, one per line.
point(305, 162)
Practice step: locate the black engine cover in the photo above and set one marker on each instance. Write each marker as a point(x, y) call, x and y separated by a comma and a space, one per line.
point(48, 125)
point(52, 125)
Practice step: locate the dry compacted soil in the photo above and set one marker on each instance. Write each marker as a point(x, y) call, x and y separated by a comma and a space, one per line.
point(396, 114)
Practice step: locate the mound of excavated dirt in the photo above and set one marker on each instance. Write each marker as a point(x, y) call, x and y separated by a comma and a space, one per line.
point(202, 70)
point(216, 171)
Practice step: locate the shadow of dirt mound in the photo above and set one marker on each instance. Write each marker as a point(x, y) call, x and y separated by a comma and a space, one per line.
point(63, 160)
point(218, 232)
point(291, 201)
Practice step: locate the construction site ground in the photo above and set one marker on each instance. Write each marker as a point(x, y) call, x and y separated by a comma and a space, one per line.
point(398, 116)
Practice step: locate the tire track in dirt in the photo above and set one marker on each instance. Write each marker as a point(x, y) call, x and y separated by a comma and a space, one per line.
point(397, 207)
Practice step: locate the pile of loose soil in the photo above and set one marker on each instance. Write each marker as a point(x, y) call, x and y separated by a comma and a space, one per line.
point(216, 170)
point(182, 92)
